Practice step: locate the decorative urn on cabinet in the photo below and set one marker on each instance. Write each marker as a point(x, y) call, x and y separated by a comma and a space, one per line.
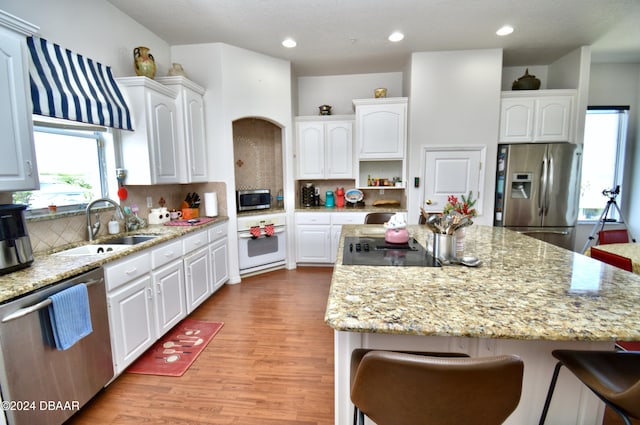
point(143, 62)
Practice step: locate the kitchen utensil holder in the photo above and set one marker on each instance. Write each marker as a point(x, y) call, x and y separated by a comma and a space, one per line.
point(444, 246)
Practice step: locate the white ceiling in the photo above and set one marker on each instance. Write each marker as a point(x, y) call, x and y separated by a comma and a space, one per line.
point(350, 36)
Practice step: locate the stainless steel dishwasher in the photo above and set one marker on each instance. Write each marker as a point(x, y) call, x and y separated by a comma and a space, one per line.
point(41, 384)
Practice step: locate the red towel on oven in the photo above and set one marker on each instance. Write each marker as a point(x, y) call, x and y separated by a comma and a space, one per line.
point(255, 231)
point(268, 230)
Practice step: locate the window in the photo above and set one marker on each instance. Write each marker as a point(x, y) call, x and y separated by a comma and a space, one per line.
point(72, 165)
point(603, 159)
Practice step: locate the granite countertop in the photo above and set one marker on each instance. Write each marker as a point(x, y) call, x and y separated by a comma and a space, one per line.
point(525, 289)
point(47, 269)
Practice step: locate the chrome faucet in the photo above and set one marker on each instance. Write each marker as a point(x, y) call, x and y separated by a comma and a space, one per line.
point(95, 228)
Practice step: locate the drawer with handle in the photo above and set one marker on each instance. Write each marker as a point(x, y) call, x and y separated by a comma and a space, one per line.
point(127, 269)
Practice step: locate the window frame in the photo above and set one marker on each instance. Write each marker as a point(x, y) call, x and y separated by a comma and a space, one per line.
point(619, 164)
point(87, 131)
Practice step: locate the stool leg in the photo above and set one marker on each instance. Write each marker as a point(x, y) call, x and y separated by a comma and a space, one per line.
point(355, 415)
point(552, 386)
point(361, 415)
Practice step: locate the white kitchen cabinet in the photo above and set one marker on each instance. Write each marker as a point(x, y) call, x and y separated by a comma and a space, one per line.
point(537, 116)
point(191, 137)
point(219, 252)
point(318, 235)
point(18, 159)
point(324, 147)
point(313, 237)
point(381, 128)
point(150, 152)
point(197, 277)
point(131, 313)
point(197, 269)
point(132, 321)
point(169, 297)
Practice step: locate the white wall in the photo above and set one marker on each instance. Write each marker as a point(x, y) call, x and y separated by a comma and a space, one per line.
point(454, 101)
point(339, 91)
point(92, 28)
point(241, 83)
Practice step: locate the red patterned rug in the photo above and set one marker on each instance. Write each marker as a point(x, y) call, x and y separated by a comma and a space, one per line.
point(177, 350)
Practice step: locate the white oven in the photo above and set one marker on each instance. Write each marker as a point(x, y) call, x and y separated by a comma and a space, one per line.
point(262, 242)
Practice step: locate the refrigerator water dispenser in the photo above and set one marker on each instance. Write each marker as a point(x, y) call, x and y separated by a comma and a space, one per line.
point(521, 185)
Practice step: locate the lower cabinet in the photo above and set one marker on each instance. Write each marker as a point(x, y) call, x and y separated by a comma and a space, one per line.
point(318, 234)
point(219, 250)
point(219, 253)
point(132, 321)
point(169, 297)
point(197, 278)
point(149, 292)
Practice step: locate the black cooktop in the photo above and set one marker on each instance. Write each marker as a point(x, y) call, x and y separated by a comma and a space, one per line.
point(369, 251)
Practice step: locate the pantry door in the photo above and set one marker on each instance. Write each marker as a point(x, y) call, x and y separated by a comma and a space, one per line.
point(452, 171)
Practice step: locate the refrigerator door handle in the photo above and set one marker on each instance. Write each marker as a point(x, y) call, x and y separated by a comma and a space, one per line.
point(533, 232)
point(549, 185)
point(542, 192)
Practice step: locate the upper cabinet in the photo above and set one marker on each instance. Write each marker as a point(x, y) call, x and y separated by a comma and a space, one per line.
point(324, 147)
point(381, 128)
point(18, 169)
point(537, 116)
point(192, 152)
point(150, 152)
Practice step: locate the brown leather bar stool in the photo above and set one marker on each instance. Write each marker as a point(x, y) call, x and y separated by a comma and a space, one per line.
point(400, 388)
point(614, 376)
point(377, 217)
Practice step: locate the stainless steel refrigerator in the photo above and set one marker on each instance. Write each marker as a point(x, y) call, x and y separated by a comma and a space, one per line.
point(537, 190)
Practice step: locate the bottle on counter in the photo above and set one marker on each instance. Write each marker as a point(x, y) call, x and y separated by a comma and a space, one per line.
point(340, 197)
point(280, 199)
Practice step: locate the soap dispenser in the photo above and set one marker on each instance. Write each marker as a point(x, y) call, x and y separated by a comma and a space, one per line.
point(114, 226)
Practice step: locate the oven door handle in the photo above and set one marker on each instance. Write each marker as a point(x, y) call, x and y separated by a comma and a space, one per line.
point(248, 235)
point(38, 306)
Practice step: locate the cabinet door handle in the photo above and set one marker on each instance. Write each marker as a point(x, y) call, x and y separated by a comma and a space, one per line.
point(131, 271)
point(29, 166)
point(150, 292)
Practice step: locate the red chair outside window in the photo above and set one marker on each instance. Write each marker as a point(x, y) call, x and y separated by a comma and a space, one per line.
point(613, 236)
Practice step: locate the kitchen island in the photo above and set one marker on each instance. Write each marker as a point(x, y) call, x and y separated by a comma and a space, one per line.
point(527, 298)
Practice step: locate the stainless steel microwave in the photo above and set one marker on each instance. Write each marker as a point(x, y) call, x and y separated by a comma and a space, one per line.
point(255, 199)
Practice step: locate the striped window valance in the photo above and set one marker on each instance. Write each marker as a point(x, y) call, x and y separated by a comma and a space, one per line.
point(69, 86)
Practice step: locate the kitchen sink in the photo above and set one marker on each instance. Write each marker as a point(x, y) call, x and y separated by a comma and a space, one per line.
point(130, 239)
point(110, 245)
point(92, 249)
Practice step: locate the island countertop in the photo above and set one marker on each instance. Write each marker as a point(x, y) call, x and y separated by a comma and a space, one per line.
point(525, 289)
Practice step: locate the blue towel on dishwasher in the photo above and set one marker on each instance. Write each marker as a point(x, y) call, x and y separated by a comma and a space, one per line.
point(70, 316)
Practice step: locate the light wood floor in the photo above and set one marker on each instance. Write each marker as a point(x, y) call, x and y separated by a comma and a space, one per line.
point(271, 363)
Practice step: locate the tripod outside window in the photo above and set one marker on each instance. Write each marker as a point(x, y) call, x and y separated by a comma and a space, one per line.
point(603, 217)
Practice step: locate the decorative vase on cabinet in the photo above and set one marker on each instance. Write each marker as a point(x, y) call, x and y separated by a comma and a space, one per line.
point(143, 62)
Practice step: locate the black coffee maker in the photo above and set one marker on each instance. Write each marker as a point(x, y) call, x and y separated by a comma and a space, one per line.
point(308, 195)
point(15, 245)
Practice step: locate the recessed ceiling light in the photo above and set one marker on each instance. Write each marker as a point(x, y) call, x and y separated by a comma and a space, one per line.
point(506, 30)
point(289, 43)
point(396, 36)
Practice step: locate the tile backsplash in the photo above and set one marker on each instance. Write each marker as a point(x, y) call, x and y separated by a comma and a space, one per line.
point(53, 232)
point(257, 147)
